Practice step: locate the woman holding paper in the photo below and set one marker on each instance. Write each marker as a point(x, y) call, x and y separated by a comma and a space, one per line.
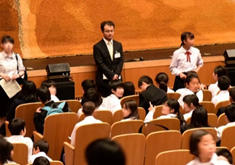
point(11, 68)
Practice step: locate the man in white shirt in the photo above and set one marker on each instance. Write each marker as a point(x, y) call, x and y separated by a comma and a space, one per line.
point(218, 72)
point(88, 109)
point(40, 149)
point(18, 131)
point(186, 58)
point(112, 102)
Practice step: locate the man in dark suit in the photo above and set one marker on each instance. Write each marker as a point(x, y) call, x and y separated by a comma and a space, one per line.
point(150, 95)
point(108, 55)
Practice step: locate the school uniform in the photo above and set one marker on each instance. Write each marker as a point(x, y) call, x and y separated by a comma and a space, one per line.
point(221, 128)
point(169, 116)
point(40, 154)
point(214, 89)
point(185, 91)
point(87, 120)
point(169, 90)
point(214, 161)
point(101, 107)
point(112, 103)
point(22, 139)
point(130, 118)
point(54, 98)
point(188, 115)
point(184, 61)
point(221, 96)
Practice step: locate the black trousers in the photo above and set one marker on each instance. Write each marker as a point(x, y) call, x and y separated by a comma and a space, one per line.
point(4, 103)
point(179, 83)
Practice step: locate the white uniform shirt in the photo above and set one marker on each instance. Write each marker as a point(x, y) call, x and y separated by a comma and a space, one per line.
point(87, 120)
point(112, 103)
point(54, 98)
point(169, 116)
point(221, 129)
point(149, 116)
point(169, 90)
point(179, 61)
point(40, 154)
point(22, 139)
point(185, 91)
point(214, 89)
point(188, 115)
point(101, 107)
point(221, 96)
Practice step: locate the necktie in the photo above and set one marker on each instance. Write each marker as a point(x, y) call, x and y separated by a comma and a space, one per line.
point(110, 48)
point(188, 53)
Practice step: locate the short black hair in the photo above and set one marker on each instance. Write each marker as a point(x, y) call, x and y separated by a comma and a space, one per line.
point(88, 108)
point(87, 84)
point(114, 84)
point(110, 23)
point(93, 95)
point(41, 161)
point(191, 99)
point(232, 93)
point(224, 83)
point(104, 152)
point(6, 39)
point(195, 139)
point(48, 83)
point(220, 71)
point(129, 88)
point(190, 76)
point(42, 145)
point(145, 79)
point(162, 79)
point(5, 150)
point(230, 112)
point(44, 94)
point(225, 153)
point(16, 126)
point(185, 36)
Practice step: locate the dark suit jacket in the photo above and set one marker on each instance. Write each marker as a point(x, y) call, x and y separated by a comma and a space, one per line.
point(103, 60)
point(154, 95)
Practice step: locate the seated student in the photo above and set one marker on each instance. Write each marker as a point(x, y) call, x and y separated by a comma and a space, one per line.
point(26, 95)
point(191, 102)
point(203, 146)
point(6, 152)
point(218, 72)
point(52, 88)
point(230, 114)
point(50, 107)
point(223, 94)
point(87, 84)
point(225, 154)
point(104, 152)
point(40, 148)
point(162, 82)
point(130, 111)
point(199, 119)
point(192, 86)
point(18, 131)
point(41, 161)
point(88, 109)
point(150, 94)
point(129, 88)
point(232, 100)
point(112, 102)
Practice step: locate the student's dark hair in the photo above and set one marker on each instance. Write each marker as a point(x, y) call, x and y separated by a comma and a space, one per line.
point(145, 79)
point(232, 93)
point(28, 92)
point(220, 71)
point(87, 84)
point(132, 106)
point(102, 25)
point(162, 79)
point(6, 39)
point(104, 152)
point(16, 126)
point(225, 153)
point(224, 83)
point(114, 84)
point(191, 99)
point(48, 83)
point(185, 36)
point(191, 75)
point(174, 104)
point(195, 139)
point(44, 94)
point(88, 108)
point(92, 95)
point(199, 118)
point(41, 161)
point(5, 150)
point(230, 112)
point(42, 145)
point(129, 88)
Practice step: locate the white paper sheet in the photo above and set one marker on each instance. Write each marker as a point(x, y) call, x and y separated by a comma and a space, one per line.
point(10, 87)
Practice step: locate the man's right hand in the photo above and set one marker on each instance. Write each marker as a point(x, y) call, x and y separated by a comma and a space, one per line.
point(182, 76)
point(115, 77)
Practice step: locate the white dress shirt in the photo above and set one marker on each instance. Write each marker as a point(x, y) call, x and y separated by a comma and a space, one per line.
point(179, 61)
point(54, 98)
point(188, 115)
point(101, 107)
point(169, 116)
point(214, 89)
point(221, 128)
point(112, 103)
point(109, 45)
point(149, 116)
point(87, 120)
point(169, 90)
point(185, 91)
point(22, 139)
point(214, 161)
point(221, 96)
point(40, 154)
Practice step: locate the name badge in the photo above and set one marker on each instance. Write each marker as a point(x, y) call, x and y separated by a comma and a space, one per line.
point(117, 55)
